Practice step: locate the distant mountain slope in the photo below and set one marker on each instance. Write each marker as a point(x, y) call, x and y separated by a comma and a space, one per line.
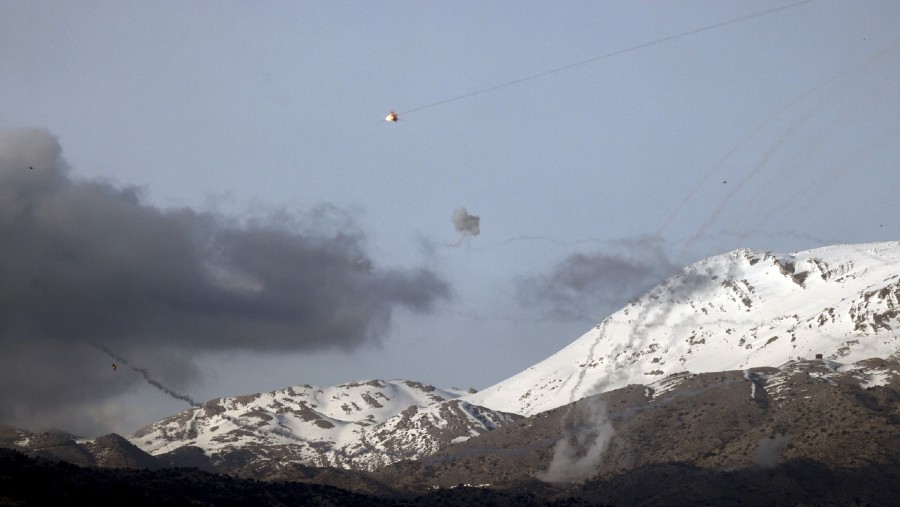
point(111, 451)
point(733, 311)
point(359, 425)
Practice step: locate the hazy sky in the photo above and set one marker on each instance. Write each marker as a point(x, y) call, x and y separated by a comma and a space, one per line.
point(216, 198)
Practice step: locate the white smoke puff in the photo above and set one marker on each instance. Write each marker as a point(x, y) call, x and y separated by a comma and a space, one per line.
point(577, 456)
point(769, 450)
point(466, 223)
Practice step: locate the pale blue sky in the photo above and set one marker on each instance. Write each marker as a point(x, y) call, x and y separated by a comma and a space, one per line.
point(780, 132)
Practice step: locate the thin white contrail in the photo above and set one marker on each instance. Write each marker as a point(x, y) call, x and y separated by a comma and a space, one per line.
point(607, 55)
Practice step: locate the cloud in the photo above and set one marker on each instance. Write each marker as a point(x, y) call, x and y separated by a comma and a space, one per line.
point(88, 260)
point(592, 285)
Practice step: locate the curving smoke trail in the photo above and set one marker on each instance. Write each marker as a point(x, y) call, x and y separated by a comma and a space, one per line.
point(146, 374)
point(757, 168)
point(183, 397)
point(805, 197)
point(770, 152)
point(261, 431)
point(727, 156)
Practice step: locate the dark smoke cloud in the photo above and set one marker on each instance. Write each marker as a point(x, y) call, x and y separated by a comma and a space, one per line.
point(88, 260)
point(592, 285)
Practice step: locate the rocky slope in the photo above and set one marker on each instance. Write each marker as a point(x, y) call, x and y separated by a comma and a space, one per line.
point(816, 414)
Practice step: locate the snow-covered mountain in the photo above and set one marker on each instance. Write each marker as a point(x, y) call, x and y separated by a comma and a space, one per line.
point(360, 425)
point(734, 311)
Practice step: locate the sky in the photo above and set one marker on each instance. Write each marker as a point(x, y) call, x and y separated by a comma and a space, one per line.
point(207, 193)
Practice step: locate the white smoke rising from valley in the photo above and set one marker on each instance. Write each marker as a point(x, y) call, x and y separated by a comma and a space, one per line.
point(579, 453)
point(769, 450)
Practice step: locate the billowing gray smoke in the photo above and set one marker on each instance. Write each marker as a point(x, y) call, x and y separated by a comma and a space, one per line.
point(88, 260)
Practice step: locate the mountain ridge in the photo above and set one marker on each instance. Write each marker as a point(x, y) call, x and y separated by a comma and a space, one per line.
point(737, 310)
point(358, 425)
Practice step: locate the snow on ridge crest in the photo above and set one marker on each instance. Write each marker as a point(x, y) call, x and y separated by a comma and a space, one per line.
point(738, 310)
point(353, 425)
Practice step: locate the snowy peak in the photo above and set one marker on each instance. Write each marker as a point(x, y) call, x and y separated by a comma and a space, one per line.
point(419, 432)
point(738, 310)
point(354, 425)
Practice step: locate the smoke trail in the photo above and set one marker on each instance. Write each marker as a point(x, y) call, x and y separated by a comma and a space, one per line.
point(578, 454)
point(746, 139)
point(842, 122)
point(806, 196)
point(608, 55)
point(781, 140)
point(183, 397)
point(757, 168)
point(150, 380)
point(263, 432)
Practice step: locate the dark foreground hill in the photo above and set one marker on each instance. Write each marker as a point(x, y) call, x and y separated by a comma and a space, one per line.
point(34, 481)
